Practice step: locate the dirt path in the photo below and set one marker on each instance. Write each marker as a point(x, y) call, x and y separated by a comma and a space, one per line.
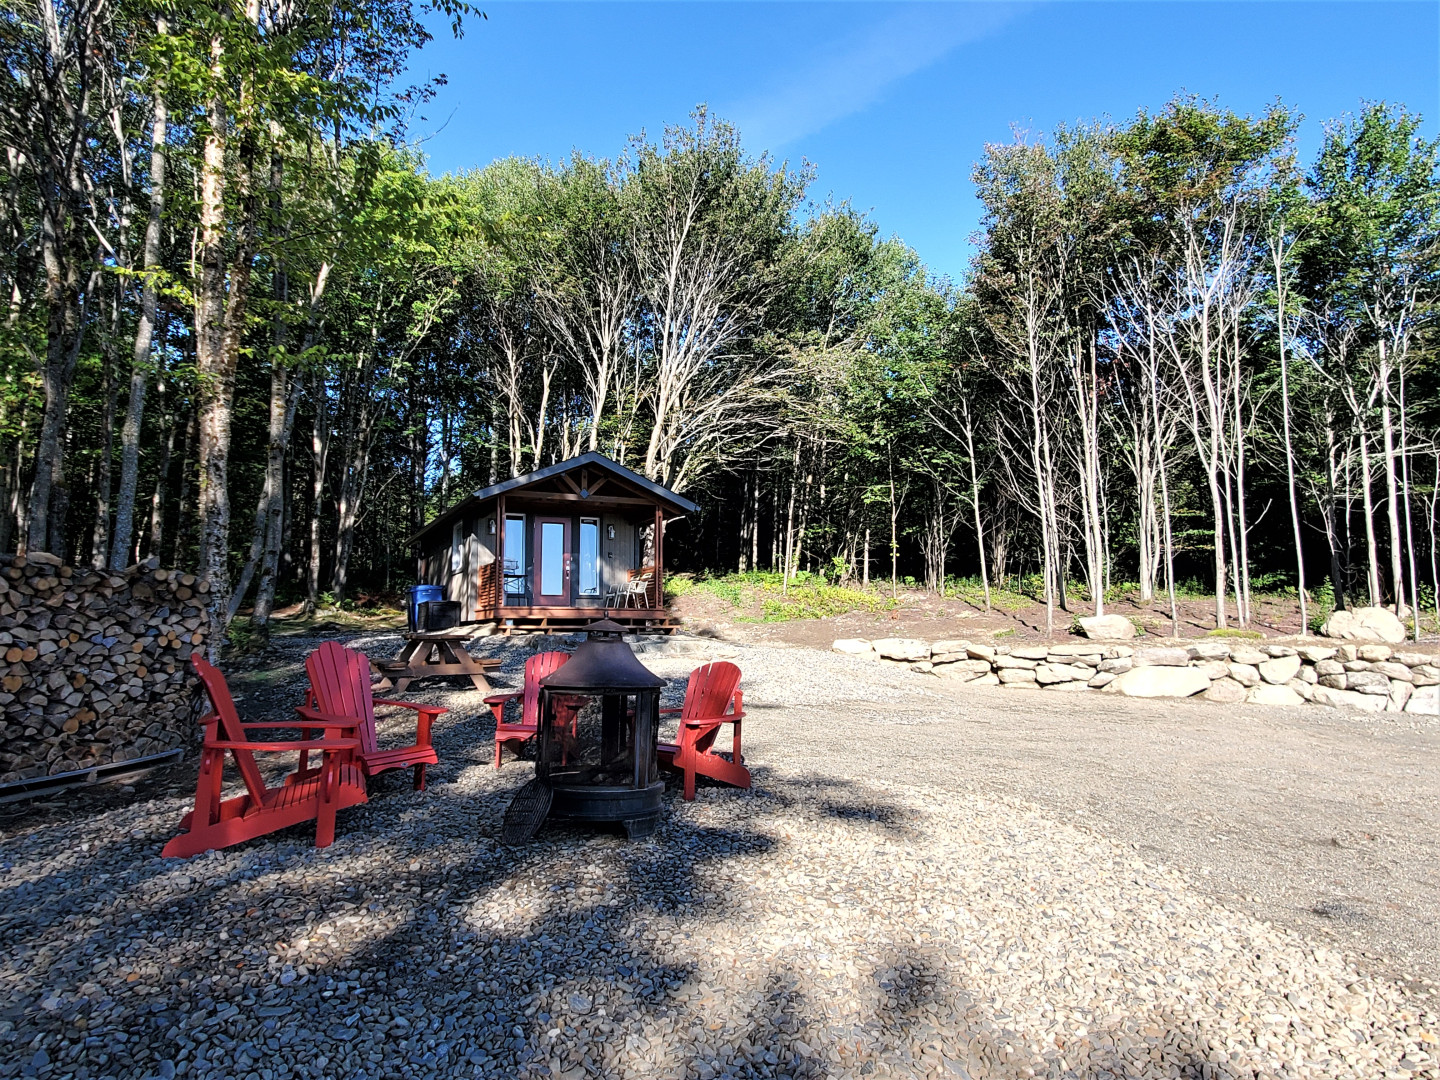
point(1313, 818)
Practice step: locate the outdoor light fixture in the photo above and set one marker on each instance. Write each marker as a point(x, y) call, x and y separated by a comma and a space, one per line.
point(492, 527)
point(610, 531)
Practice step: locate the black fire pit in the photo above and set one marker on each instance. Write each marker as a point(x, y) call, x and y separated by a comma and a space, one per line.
point(595, 758)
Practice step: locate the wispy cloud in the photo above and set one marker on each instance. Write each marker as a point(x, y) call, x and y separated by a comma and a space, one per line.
point(855, 70)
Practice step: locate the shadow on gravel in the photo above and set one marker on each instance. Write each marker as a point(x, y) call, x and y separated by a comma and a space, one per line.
point(385, 955)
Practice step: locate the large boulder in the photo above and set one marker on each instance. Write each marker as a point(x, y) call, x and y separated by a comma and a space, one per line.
point(1107, 628)
point(1368, 682)
point(1365, 624)
point(1209, 650)
point(964, 670)
point(1349, 699)
point(896, 648)
point(1248, 674)
point(853, 647)
point(1227, 691)
point(1280, 670)
point(1248, 654)
point(949, 649)
point(1173, 682)
point(1163, 657)
point(1010, 660)
point(1425, 701)
point(1266, 694)
point(1045, 674)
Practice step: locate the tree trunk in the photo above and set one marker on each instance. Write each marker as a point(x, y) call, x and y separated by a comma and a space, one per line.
point(1372, 556)
point(265, 537)
point(1332, 515)
point(144, 337)
point(100, 540)
point(1278, 254)
point(1242, 534)
point(185, 519)
point(1434, 555)
point(974, 502)
point(1392, 500)
point(1409, 519)
point(220, 308)
point(61, 83)
point(64, 334)
point(319, 456)
point(161, 493)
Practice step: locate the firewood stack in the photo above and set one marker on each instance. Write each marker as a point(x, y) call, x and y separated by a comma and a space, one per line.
point(94, 664)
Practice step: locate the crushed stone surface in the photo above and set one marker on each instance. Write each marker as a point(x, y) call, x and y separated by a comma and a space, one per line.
point(924, 881)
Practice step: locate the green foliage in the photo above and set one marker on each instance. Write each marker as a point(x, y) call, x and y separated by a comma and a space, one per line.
point(1235, 632)
point(1002, 596)
point(1277, 583)
point(762, 596)
point(1322, 605)
point(241, 639)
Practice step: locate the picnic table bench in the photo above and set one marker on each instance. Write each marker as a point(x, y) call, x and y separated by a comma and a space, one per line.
point(436, 652)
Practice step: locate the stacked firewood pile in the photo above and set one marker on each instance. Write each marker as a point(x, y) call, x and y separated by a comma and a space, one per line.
point(94, 664)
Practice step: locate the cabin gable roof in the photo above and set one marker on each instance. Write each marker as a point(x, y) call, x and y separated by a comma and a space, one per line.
point(557, 479)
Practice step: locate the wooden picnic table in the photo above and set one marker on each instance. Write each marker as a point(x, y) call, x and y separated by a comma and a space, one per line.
point(439, 652)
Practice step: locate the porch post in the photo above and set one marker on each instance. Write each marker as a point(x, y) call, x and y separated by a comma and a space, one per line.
point(499, 602)
point(659, 558)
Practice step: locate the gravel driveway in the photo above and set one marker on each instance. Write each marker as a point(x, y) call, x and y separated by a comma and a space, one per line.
point(927, 880)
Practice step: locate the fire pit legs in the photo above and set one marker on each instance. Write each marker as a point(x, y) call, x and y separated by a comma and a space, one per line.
point(641, 827)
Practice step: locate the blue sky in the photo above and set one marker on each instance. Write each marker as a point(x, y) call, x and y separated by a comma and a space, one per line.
point(893, 103)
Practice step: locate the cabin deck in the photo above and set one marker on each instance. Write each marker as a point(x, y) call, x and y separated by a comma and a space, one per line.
point(567, 620)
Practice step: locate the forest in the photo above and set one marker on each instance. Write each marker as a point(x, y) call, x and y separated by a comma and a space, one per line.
point(249, 334)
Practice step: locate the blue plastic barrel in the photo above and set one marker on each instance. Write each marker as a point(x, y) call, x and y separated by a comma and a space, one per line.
point(421, 594)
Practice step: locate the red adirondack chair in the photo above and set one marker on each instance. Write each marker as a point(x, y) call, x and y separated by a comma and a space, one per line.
point(340, 687)
point(707, 709)
point(305, 795)
point(517, 735)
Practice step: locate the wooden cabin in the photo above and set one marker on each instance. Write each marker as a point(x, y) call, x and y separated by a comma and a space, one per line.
point(556, 549)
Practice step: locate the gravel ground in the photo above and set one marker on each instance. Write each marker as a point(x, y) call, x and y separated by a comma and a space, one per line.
point(911, 889)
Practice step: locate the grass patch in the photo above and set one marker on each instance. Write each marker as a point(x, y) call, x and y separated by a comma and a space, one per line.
point(1232, 632)
point(761, 596)
point(333, 620)
point(1004, 595)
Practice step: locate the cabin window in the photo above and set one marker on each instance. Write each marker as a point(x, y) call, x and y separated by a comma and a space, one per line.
point(457, 547)
point(515, 554)
point(589, 556)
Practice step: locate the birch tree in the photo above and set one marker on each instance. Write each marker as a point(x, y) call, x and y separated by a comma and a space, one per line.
point(708, 224)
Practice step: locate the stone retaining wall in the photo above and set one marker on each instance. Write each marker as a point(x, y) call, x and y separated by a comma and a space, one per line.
point(1374, 678)
point(94, 664)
